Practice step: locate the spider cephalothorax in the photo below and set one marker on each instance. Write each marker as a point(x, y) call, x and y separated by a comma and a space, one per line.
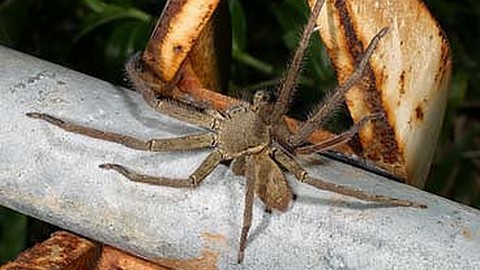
point(254, 136)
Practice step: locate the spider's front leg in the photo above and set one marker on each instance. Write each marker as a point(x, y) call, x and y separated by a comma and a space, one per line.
point(205, 168)
point(336, 97)
point(294, 167)
point(189, 142)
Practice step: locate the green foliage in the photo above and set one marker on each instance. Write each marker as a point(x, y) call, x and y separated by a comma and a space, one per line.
point(92, 36)
point(96, 36)
point(12, 234)
point(456, 171)
point(119, 29)
point(261, 54)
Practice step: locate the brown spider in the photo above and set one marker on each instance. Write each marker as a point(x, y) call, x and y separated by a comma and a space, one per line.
point(254, 136)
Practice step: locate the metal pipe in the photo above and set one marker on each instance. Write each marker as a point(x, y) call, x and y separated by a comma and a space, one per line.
point(54, 176)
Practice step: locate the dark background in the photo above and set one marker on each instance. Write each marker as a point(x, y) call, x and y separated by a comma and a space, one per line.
point(95, 37)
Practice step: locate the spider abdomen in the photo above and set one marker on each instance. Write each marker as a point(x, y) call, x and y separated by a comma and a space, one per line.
point(242, 132)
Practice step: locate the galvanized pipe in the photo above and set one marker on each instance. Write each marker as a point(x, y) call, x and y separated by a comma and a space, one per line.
point(54, 176)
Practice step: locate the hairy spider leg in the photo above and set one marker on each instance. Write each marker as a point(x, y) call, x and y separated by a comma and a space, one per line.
point(289, 81)
point(296, 169)
point(202, 171)
point(336, 97)
point(189, 142)
point(181, 111)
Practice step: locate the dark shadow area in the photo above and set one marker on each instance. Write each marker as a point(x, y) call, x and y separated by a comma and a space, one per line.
point(261, 227)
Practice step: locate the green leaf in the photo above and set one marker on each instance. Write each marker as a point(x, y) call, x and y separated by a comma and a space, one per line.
point(252, 62)
point(107, 14)
point(95, 5)
point(239, 26)
point(291, 15)
point(13, 228)
point(452, 163)
point(125, 39)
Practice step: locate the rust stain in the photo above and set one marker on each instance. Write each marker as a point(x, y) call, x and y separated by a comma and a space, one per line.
point(382, 147)
point(467, 233)
point(62, 250)
point(353, 42)
point(174, 35)
point(177, 49)
point(115, 259)
point(445, 64)
point(151, 54)
point(207, 261)
point(346, 25)
point(401, 84)
point(419, 114)
point(215, 238)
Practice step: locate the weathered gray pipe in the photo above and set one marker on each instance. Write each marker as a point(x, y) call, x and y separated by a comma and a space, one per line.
point(54, 176)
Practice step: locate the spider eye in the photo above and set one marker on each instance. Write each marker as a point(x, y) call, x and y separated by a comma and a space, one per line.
point(261, 96)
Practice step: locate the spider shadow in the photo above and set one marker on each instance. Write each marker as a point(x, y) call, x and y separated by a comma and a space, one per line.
point(355, 205)
point(309, 200)
point(261, 227)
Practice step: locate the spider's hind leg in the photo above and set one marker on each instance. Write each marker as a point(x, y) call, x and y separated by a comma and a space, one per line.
point(294, 167)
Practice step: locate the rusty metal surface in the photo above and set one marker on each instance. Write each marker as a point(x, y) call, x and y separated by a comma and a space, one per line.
point(114, 259)
point(67, 251)
point(407, 79)
point(54, 176)
point(176, 32)
point(63, 251)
